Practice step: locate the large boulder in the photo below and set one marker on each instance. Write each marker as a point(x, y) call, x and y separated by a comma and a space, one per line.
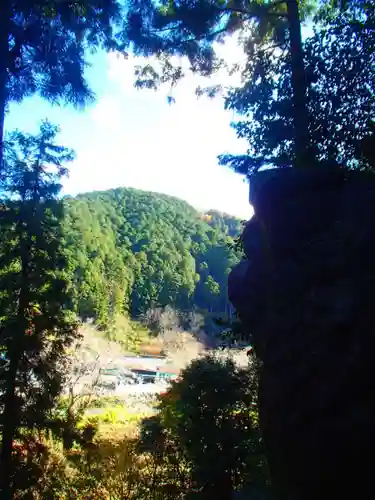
point(306, 295)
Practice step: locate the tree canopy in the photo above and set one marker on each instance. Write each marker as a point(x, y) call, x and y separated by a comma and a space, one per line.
point(190, 29)
point(42, 48)
point(339, 63)
point(305, 103)
point(207, 425)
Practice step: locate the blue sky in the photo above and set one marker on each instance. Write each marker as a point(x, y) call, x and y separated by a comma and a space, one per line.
point(133, 138)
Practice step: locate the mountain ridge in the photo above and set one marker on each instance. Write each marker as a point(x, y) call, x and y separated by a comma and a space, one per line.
point(131, 250)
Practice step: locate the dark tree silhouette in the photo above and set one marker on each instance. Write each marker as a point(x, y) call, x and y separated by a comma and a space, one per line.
point(339, 62)
point(35, 326)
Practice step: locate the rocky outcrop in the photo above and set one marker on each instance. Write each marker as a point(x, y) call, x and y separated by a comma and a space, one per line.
point(306, 295)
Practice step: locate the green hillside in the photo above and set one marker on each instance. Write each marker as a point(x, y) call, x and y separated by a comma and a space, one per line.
point(131, 250)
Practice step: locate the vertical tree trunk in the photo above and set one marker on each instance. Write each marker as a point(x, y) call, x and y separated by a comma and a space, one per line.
point(4, 48)
point(11, 416)
point(9, 427)
point(315, 340)
point(303, 157)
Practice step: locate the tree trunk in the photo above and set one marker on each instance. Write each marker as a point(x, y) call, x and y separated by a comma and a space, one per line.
point(303, 156)
point(11, 417)
point(314, 333)
point(9, 427)
point(4, 48)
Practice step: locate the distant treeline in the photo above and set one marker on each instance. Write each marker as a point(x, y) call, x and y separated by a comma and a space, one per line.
point(129, 251)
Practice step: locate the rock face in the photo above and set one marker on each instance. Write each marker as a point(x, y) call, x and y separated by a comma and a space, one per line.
point(307, 298)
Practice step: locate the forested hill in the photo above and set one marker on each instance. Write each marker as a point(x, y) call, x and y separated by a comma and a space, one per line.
point(131, 250)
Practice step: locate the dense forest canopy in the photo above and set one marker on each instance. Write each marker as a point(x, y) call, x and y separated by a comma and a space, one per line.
point(131, 250)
